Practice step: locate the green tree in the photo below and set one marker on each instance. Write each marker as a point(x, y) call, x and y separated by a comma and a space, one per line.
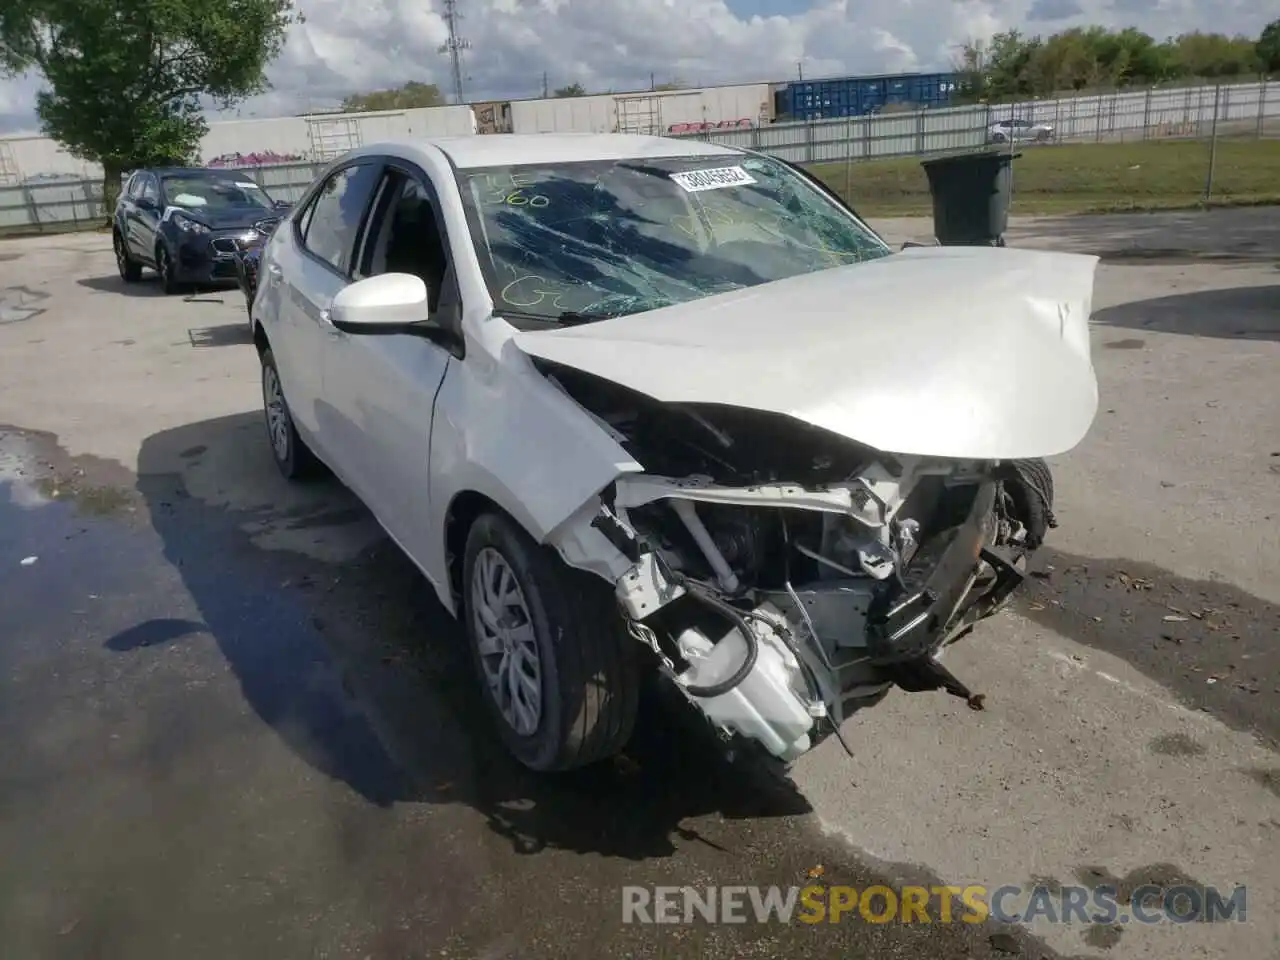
point(125, 77)
point(1214, 55)
point(1267, 49)
point(1011, 66)
point(676, 84)
point(572, 90)
point(412, 94)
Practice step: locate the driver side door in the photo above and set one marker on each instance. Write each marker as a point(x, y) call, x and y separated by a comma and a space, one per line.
point(383, 388)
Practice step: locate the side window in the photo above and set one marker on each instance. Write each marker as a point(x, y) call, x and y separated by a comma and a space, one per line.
point(304, 216)
point(333, 223)
point(404, 237)
point(149, 189)
point(131, 186)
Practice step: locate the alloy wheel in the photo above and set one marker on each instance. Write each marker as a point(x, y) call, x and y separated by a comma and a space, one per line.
point(505, 641)
point(278, 423)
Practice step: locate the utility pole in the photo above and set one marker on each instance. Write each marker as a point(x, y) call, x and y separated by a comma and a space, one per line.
point(545, 91)
point(652, 85)
point(454, 46)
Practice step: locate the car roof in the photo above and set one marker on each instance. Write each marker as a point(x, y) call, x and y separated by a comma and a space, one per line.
point(511, 149)
point(187, 171)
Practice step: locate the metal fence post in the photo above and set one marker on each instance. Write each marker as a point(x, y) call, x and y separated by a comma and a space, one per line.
point(848, 158)
point(1213, 145)
point(1146, 115)
point(1262, 105)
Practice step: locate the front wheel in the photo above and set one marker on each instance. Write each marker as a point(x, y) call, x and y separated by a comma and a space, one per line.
point(558, 671)
point(167, 269)
point(130, 269)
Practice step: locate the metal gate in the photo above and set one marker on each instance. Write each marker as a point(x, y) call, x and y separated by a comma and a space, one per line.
point(331, 137)
point(10, 175)
point(639, 115)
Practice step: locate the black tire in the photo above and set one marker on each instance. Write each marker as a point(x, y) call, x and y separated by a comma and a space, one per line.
point(1030, 486)
point(292, 456)
point(130, 269)
point(166, 268)
point(589, 664)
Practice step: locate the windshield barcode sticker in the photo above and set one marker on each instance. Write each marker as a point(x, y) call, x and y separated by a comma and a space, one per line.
point(694, 180)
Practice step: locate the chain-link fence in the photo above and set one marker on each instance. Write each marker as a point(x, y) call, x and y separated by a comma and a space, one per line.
point(1229, 136)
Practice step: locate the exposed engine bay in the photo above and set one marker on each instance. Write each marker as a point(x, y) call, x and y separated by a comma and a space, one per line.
point(784, 576)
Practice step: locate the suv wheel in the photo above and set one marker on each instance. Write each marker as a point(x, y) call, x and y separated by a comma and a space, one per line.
point(130, 269)
point(558, 670)
point(167, 270)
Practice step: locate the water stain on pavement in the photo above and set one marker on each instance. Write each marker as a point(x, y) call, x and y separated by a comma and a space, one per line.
point(1176, 745)
point(285, 757)
point(1210, 642)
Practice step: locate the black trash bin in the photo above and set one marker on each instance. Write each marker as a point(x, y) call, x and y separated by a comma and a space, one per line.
point(971, 197)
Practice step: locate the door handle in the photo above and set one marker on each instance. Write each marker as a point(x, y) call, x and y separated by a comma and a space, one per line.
point(326, 321)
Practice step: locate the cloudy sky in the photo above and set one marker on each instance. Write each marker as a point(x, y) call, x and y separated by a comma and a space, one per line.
point(350, 46)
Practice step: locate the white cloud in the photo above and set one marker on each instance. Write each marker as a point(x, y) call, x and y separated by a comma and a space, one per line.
point(349, 46)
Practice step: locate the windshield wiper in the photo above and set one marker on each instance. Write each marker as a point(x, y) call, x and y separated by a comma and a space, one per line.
point(568, 318)
point(573, 318)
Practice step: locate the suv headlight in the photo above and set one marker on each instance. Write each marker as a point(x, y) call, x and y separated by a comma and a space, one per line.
point(187, 225)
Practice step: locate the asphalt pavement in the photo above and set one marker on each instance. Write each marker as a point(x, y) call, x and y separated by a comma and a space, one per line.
point(237, 723)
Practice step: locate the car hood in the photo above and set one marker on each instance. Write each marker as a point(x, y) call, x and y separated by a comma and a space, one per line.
point(230, 219)
point(963, 352)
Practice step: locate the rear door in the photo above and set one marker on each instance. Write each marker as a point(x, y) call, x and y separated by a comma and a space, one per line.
point(318, 267)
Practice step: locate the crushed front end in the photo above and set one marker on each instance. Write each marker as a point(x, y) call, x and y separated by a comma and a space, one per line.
point(779, 606)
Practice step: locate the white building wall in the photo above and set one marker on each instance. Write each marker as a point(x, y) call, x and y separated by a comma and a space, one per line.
point(599, 113)
point(254, 140)
point(32, 156)
point(281, 136)
point(593, 114)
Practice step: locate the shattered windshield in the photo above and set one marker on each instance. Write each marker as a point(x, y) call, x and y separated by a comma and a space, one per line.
point(582, 241)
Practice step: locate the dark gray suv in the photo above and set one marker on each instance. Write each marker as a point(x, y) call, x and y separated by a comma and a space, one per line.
point(188, 224)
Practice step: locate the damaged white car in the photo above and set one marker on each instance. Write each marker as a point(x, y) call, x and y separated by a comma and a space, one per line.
point(634, 403)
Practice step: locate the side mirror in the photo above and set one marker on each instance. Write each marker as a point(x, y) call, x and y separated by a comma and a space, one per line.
point(146, 203)
point(283, 204)
point(386, 304)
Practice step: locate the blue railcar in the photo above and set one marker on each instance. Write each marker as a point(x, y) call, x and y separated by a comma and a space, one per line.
point(857, 96)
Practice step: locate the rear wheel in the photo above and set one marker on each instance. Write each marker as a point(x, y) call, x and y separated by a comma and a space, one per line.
point(558, 671)
point(292, 456)
point(130, 269)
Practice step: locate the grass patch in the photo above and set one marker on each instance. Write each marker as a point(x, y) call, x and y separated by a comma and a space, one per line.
point(1084, 178)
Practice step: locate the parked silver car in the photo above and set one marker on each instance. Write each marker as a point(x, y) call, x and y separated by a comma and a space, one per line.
point(1004, 131)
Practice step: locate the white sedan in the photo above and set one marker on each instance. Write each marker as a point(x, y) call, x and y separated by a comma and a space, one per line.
point(638, 403)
